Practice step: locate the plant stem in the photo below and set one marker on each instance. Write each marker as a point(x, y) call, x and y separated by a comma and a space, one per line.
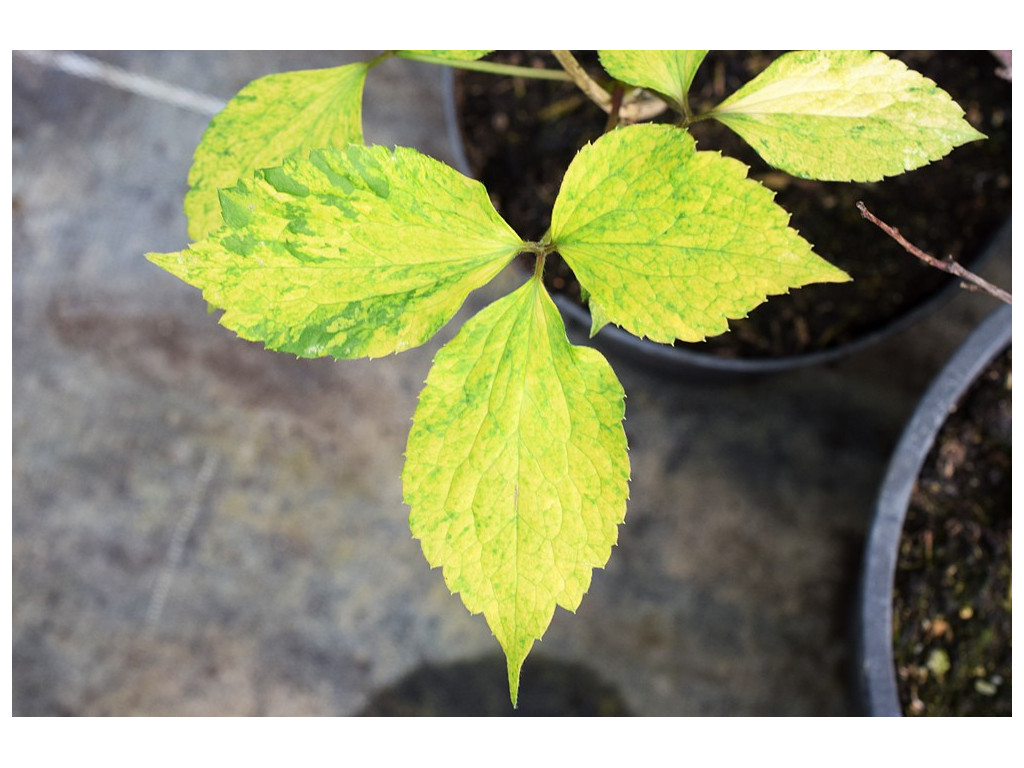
point(586, 83)
point(687, 110)
point(613, 113)
point(491, 67)
point(949, 266)
point(379, 58)
point(689, 120)
point(538, 267)
point(540, 248)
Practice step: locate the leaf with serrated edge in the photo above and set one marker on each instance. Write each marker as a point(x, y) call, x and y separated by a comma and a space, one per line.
point(348, 253)
point(268, 120)
point(670, 242)
point(669, 73)
point(845, 116)
point(516, 469)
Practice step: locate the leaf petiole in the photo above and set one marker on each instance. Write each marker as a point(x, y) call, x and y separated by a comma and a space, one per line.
point(540, 250)
point(491, 67)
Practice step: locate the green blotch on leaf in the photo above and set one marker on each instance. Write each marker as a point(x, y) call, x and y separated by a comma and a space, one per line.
point(516, 469)
point(371, 173)
point(845, 116)
point(670, 242)
point(282, 182)
point(350, 252)
point(236, 212)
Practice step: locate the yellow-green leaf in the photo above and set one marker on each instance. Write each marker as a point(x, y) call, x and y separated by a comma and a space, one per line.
point(671, 242)
point(845, 116)
point(445, 55)
point(516, 470)
point(669, 73)
point(349, 252)
point(267, 121)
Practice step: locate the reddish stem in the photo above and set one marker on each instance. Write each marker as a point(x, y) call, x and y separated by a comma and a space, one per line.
point(949, 266)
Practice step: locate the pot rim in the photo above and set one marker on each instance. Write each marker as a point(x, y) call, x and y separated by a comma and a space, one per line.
point(876, 674)
point(672, 359)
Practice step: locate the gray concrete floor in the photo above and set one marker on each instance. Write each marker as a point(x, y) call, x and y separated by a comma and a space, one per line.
point(203, 527)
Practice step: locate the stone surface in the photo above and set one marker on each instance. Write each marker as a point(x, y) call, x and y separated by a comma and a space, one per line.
point(204, 527)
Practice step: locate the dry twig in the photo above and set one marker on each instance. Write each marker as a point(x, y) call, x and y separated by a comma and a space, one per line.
point(949, 266)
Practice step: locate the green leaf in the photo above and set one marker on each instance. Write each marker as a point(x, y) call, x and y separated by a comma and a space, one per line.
point(349, 253)
point(267, 121)
point(669, 73)
point(446, 55)
point(670, 242)
point(516, 470)
point(845, 116)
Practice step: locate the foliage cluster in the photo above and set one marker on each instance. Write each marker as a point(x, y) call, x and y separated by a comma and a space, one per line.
point(517, 472)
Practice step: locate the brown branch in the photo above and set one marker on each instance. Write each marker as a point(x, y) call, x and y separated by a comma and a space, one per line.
point(613, 113)
point(586, 83)
point(950, 266)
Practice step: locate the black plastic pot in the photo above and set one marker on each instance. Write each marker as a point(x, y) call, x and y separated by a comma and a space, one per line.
point(690, 362)
point(876, 674)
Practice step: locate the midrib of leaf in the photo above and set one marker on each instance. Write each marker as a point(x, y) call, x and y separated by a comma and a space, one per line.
point(767, 100)
point(518, 614)
point(514, 522)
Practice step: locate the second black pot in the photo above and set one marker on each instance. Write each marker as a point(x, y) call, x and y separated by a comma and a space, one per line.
point(876, 673)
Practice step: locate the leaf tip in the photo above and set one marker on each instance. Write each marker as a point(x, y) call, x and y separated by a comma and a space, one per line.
point(598, 319)
point(974, 135)
point(515, 666)
point(166, 261)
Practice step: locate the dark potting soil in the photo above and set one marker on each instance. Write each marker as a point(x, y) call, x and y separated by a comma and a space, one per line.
point(521, 134)
point(952, 600)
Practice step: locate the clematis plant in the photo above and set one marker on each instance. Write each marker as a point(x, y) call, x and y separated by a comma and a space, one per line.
point(516, 469)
